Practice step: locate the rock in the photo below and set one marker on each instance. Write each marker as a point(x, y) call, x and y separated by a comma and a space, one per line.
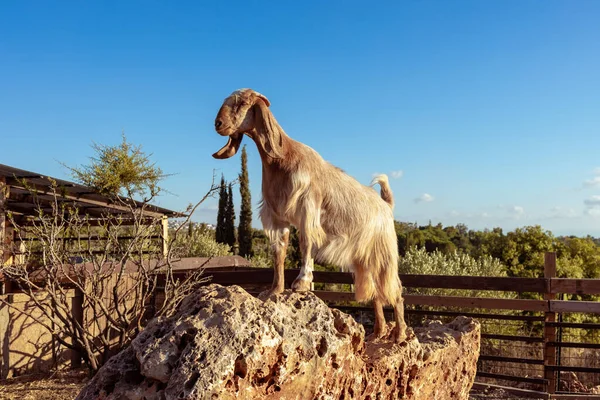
point(225, 344)
point(569, 382)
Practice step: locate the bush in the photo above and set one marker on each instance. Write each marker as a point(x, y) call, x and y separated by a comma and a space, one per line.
point(200, 243)
point(419, 262)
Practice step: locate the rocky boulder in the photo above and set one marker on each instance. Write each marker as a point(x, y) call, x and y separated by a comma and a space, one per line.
point(225, 344)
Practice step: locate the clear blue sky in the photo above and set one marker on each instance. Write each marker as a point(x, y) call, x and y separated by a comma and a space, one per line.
point(491, 109)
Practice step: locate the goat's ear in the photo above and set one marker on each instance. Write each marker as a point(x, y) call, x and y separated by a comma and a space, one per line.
point(261, 96)
point(232, 146)
point(269, 135)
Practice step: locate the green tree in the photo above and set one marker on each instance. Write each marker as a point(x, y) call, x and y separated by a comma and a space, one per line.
point(230, 220)
point(245, 227)
point(436, 239)
point(523, 251)
point(578, 258)
point(459, 235)
point(487, 242)
point(220, 234)
point(120, 170)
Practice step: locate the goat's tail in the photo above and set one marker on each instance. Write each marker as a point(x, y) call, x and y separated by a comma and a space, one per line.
point(376, 274)
point(386, 190)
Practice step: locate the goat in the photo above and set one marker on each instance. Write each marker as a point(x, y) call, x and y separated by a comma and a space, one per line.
point(339, 220)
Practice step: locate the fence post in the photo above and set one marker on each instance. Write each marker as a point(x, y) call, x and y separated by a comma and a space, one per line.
point(164, 226)
point(77, 310)
point(4, 237)
point(4, 253)
point(549, 331)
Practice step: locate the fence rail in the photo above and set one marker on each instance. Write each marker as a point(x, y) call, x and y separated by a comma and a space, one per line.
point(546, 287)
point(262, 276)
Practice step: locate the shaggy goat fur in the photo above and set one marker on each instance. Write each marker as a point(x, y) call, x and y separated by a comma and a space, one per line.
point(339, 220)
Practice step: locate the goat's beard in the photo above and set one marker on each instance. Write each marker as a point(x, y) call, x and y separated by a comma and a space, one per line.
point(232, 146)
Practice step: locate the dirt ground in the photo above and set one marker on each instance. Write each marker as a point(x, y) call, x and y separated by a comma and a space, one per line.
point(59, 386)
point(66, 386)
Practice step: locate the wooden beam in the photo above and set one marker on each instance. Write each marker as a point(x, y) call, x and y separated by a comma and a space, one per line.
point(506, 284)
point(5, 234)
point(511, 378)
point(549, 330)
point(573, 306)
point(516, 360)
point(473, 302)
point(25, 202)
point(77, 314)
point(42, 190)
point(575, 286)
point(410, 281)
point(577, 325)
point(5, 256)
point(437, 313)
point(512, 338)
point(573, 369)
point(518, 392)
point(165, 235)
point(574, 345)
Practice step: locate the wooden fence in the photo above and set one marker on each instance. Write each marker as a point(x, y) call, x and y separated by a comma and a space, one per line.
point(544, 312)
point(541, 311)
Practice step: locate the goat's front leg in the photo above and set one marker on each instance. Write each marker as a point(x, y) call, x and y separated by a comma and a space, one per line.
point(279, 238)
point(304, 280)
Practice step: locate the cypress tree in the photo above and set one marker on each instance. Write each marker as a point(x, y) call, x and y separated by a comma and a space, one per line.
point(245, 227)
point(220, 231)
point(230, 220)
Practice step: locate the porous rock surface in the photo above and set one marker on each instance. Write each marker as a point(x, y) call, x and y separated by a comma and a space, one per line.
point(225, 344)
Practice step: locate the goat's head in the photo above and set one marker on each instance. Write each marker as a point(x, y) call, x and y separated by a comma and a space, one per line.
point(242, 112)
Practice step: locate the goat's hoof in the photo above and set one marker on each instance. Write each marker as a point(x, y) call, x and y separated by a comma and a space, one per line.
point(301, 285)
point(399, 334)
point(378, 333)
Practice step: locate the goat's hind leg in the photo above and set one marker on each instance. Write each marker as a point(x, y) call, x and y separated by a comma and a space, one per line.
point(399, 332)
point(303, 283)
point(379, 329)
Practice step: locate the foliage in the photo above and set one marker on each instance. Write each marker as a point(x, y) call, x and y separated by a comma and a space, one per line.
point(419, 261)
point(524, 249)
point(521, 251)
point(245, 227)
point(261, 260)
point(120, 170)
point(579, 258)
point(430, 237)
point(200, 242)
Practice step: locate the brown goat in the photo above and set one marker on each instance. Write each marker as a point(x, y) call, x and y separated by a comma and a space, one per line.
point(339, 220)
